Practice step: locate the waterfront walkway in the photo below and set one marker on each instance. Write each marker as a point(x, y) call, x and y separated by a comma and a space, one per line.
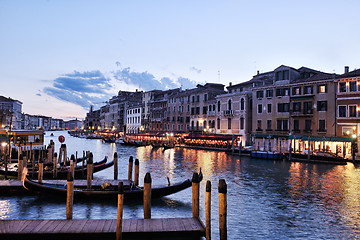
point(100, 228)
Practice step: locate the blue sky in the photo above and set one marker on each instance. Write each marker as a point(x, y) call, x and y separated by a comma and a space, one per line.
point(58, 57)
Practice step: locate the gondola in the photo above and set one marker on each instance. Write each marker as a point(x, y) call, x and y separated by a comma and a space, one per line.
point(109, 192)
point(80, 173)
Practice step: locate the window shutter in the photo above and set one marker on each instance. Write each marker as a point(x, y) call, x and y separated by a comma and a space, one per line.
point(326, 88)
point(318, 88)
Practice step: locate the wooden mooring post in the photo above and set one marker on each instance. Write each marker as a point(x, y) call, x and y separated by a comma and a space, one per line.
point(69, 196)
point(73, 159)
point(115, 166)
point(20, 160)
point(147, 196)
point(136, 177)
point(55, 166)
point(195, 195)
point(131, 160)
point(40, 171)
point(89, 165)
point(222, 209)
point(120, 211)
point(208, 211)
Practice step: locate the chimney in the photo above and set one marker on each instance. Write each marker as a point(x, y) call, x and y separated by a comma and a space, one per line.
point(230, 84)
point(258, 72)
point(346, 69)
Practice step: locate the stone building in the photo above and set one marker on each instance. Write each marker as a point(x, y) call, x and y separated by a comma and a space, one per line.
point(159, 121)
point(10, 113)
point(192, 110)
point(348, 107)
point(298, 106)
point(134, 118)
point(92, 120)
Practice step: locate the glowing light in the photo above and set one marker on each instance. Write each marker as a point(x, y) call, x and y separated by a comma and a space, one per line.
point(3, 144)
point(354, 135)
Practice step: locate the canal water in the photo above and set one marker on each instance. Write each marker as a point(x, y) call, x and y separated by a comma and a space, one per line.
point(266, 199)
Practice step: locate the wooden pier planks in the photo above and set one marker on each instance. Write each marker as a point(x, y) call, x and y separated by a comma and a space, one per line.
point(95, 228)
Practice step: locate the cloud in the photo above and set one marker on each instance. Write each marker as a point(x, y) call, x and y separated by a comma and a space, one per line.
point(147, 81)
point(94, 88)
point(81, 88)
point(194, 69)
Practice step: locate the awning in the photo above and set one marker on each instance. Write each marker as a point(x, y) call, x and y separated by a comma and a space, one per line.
point(342, 139)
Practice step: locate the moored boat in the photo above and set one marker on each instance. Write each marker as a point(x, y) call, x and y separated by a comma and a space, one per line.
point(80, 172)
point(106, 192)
point(266, 155)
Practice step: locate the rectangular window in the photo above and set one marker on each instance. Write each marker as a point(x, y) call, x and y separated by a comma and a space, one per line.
point(242, 121)
point(205, 110)
point(259, 94)
point(258, 125)
point(308, 89)
point(308, 107)
point(342, 86)
point(353, 86)
point(197, 110)
point(283, 107)
point(282, 92)
point(269, 108)
point(297, 107)
point(188, 108)
point(259, 108)
point(192, 111)
point(269, 93)
point(352, 111)
point(296, 125)
point(296, 91)
point(342, 111)
point(229, 123)
point(205, 97)
point(193, 99)
point(282, 125)
point(322, 88)
point(218, 123)
point(307, 124)
point(322, 125)
point(197, 98)
point(322, 105)
point(269, 125)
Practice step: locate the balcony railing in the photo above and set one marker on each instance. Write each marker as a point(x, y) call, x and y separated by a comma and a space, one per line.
point(228, 112)
point(303, 112)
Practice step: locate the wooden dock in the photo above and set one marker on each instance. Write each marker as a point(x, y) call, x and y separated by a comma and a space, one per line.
point(101, 228)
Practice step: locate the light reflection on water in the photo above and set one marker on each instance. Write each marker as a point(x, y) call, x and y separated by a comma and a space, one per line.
point(266, 199)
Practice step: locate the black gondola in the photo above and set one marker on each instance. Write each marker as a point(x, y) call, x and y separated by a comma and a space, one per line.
point(80, 173)
point(109, 192)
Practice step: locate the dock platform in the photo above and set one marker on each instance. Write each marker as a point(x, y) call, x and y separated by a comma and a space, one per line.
point(101, 228)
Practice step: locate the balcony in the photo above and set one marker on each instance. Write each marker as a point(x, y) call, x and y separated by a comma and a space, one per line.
point(228, 112)
point(302, 113)
point(211, 113)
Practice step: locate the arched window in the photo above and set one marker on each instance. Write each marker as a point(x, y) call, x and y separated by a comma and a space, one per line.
point(242, 104)
point(229, 104)
point(204, 124)
point(197, 125)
